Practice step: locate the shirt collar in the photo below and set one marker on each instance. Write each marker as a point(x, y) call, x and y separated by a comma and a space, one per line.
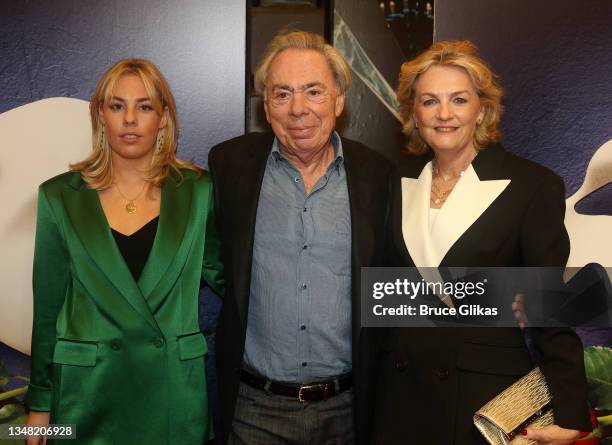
point(335, 140)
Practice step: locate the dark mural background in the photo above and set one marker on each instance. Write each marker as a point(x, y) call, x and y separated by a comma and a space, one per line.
point(365, 118)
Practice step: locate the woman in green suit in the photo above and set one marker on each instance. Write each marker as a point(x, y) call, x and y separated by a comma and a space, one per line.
point(123, 241)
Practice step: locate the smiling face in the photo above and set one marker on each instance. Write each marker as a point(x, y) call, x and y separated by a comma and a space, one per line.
point(131, 123)
point(301, 102)
point(447, 109)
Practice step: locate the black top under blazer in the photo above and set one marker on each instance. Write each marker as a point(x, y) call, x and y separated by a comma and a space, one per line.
point(432, 380)
point(238, 167)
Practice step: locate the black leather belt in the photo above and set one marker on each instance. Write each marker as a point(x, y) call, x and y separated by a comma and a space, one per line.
point(310, 392)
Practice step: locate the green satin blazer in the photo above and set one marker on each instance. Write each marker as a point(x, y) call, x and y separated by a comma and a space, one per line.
point(123, 360)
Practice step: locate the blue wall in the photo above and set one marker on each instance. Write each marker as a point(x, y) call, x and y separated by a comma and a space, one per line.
point(554, 58)
point(61, 47)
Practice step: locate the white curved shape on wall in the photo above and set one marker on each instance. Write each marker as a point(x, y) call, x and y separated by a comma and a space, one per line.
point(591, 235)
point(39, 140)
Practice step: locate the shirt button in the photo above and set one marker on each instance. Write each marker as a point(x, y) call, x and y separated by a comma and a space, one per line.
point(159, 342)
point(303, 328)
point(305, 209)
point(115, 345)
point(304, 364)
point(400, 365)
point(305, 246)
point(304, 286)
point(442, 373)
point(296, 179)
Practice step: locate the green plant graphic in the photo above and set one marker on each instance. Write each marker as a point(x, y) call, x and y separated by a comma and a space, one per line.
point(12, 409)
point(598, 366)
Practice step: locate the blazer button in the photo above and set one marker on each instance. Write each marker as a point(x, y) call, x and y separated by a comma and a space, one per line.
point(115, 345)
point(400, 365)
point(159, 342)
point(442, 373)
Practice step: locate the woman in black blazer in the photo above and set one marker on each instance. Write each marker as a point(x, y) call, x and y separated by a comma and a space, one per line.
point(464, 201)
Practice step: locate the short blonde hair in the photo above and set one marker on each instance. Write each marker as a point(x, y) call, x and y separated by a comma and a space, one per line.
point(303, 40)
point(461, 54)
point(97, 169)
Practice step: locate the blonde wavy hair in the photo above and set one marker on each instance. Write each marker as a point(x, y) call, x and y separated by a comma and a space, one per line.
point(97, 169)
point(303, 40)
point(461, 54)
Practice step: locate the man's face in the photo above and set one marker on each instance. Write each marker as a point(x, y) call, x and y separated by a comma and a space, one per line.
point(302, 103)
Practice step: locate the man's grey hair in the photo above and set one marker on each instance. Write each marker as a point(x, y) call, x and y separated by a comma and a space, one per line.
point(303, 40)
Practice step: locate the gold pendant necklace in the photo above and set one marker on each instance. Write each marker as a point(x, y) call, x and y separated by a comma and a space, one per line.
point(130, 207)
point(438, 196)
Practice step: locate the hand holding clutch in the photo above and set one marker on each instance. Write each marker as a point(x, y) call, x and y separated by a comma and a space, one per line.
point(552, 435)
point(522, 415)
point(526, 403)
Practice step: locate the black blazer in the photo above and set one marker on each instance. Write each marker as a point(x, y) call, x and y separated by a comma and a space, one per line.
point(237, 167)
point(431, 381)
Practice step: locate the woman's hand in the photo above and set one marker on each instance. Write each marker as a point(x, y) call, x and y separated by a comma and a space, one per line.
point(41, 419)
point(518, 307)
point(552, 435)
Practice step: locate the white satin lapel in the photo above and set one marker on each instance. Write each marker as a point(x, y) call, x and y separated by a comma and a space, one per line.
point(415, 215)
point(468, 200)
point(415, 227)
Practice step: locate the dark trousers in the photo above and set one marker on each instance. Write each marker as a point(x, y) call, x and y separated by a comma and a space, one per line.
point(262, 418)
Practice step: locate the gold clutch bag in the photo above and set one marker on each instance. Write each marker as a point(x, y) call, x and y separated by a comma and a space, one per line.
point(526, 403)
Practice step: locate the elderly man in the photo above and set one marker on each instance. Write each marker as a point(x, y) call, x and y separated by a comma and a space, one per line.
point(300, 211)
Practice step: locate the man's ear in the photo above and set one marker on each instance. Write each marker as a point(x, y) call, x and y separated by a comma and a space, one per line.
point(266, 110)
point(340, 104)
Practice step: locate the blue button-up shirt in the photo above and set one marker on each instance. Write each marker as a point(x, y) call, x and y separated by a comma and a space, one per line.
point(299, 320)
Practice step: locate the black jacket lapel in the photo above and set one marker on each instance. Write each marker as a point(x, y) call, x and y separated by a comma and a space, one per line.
point(246, 193)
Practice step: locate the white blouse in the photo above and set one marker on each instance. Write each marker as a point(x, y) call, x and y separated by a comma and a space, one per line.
point(433, 215)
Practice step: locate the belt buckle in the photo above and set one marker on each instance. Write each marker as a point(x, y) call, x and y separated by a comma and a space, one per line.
point(309, 387)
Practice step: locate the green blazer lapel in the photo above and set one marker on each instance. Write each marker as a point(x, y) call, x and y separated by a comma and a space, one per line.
point(89, 222)
point(173, 217)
